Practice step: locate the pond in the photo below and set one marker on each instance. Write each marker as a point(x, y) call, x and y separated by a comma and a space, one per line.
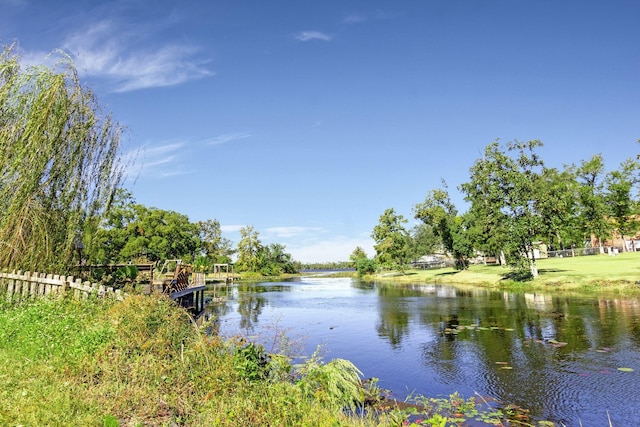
point(568, 359)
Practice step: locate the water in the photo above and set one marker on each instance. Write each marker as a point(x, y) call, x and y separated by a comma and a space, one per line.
point(558, 356)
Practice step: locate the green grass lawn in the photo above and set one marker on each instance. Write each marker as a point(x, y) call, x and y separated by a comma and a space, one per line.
point(600, 273)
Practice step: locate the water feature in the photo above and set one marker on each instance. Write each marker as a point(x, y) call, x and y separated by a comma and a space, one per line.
point(569, 359)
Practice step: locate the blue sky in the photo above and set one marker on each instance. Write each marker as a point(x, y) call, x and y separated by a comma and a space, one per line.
point(307, 119)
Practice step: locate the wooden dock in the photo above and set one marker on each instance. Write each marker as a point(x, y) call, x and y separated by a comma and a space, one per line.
point(191, 299)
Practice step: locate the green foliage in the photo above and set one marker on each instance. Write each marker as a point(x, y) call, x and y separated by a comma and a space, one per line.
point(453, 411)
point(110, 421)
point(558, 209)
point(202, 264)
point(424, 241)
point(591, 200)
point(336, 383)
point(216, 248)
point(124, 277)
point(392, 240)
point(362, 263)
point(439, 214)
point(621, 207)
point(366, 266)
point(48, 329)
point(357, 254)
point(505, 188)
point(58, 161)
point(271, 260)
point(134, 232)
point(249, 248)
point(251, 361)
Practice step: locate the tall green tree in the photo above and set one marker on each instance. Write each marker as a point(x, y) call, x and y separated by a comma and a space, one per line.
point(592, 206)
point(558, 208)
point(249, 248)
point(506, 182)
point(134, 232)
point(273, 260)
point(361, 262)
point(440, 214)
point(423, 241)
point(392, 240)
point(58, 161)
point(215, 247)
point(620, 201)
point(357, 254)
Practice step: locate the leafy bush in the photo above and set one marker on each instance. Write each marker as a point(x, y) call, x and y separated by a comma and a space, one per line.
point(366, 266)
point(251, 361)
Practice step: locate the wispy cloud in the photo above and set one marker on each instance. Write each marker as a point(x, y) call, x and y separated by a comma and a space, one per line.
point(147, 161)
point(288, 232)
point(306, 36)
point(108, 50)
point(232, 228)
point(227, 137)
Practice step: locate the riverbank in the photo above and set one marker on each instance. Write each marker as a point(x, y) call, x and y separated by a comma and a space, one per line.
point(141, 362)
point(594, 274)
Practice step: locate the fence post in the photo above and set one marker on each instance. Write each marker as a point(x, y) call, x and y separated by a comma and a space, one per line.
point(10, 284)
point(33, 288)
point(26, 287)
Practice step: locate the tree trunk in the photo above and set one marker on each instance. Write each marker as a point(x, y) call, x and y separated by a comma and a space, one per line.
point(532, 265)
point(502, 258)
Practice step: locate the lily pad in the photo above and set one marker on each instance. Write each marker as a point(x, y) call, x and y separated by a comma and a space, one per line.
point(625, 369)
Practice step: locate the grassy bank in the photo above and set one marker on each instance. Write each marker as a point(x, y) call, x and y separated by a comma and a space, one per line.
point(141, 362)
point(597, 273)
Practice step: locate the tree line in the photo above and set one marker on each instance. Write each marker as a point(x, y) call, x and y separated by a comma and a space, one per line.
point(133, 232)
point(61, 201)
point(516, 203)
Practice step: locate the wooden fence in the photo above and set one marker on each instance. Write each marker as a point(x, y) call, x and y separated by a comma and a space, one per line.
point(21, 286)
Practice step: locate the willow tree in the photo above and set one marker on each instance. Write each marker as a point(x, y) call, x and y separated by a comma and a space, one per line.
point(59, 163)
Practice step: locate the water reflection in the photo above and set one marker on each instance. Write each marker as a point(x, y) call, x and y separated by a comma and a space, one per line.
point(557, 355)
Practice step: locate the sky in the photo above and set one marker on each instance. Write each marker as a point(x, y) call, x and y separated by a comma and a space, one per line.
point(308, 119)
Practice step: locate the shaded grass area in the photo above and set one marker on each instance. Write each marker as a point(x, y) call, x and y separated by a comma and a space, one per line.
point(596, 273)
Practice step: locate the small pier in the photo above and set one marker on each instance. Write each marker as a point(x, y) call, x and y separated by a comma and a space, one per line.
point(187, 294)
point(191, 299)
